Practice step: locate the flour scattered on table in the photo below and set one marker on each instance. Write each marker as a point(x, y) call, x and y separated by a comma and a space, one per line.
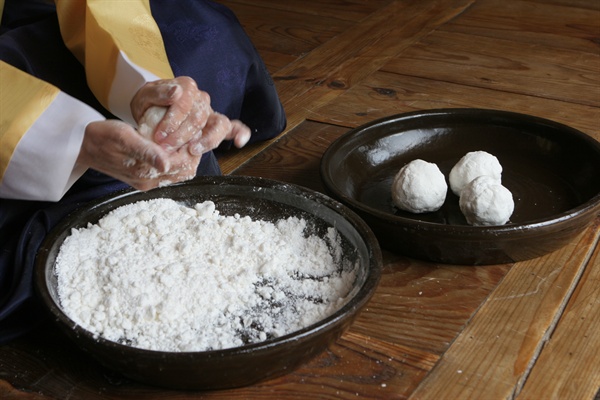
point(163, 276)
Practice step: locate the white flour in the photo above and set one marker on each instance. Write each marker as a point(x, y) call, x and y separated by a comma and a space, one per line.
point(162, 276)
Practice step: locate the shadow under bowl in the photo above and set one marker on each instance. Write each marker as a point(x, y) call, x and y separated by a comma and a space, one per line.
point(217, 369)
point(552, 170)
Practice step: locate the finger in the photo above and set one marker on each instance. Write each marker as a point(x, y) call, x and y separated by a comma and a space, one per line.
point(183, 168)
point(116, 149)
point(217, 128)
point(165, 95)
point(151, 118)
point(183, 120)
point(240, 133)
point(184, 165)
point(155, 158)
point(158, 93)
point(146, 160)
point(193, 125)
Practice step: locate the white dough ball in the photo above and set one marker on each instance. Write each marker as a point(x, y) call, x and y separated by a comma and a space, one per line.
point(471, 166)
point(149, 121)
point(484, 201)
point(419, 187)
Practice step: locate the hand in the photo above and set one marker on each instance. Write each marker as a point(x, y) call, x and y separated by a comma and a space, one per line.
point(189, 118)
point(188, 110)
point(118, 150)
point(219, 128)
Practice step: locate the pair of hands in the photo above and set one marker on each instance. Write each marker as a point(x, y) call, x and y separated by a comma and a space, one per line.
point(172, 153)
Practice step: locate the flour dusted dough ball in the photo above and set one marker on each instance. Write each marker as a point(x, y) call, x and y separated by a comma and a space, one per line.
point(150, 120)
point(419, 187)
point(484, 201)
point(472, 165)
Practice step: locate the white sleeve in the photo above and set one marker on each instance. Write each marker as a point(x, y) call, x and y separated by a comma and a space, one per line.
point(129, 78)
point(43, 165)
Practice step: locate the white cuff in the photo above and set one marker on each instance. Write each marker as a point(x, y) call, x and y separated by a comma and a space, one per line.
point(129, 78)
point(43, 165)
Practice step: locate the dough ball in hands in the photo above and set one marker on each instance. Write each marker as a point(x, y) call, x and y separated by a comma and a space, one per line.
point(484, 201)
point(471, 166)
point(149, 121)
point(419, 187)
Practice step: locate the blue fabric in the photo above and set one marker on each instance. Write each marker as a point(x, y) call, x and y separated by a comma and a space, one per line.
point(210, 45)
point(203, 40)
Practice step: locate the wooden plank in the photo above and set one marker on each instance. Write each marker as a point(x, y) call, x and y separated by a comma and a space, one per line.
point(282, 32)
point(346, 10)
point(383, 94)
point(504, 66)
point(8, 392)
point(585, 4)
point(561, 26)
point(568, 367)
point(295, 158)
point(356, 366)
point(425, 306)
point(275, 61)
point(288, 32)
point(349, 58)
point(494, 353)
point(345, 60)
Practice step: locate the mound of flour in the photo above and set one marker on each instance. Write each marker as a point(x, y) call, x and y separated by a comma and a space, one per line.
point(162, 276)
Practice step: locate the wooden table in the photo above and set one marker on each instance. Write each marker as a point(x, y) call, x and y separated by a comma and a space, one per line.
point(529, 330)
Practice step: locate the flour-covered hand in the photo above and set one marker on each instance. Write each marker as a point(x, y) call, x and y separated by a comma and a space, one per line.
point(116, 149)
point(219, 128)
point(174, 113)
point(188, 110)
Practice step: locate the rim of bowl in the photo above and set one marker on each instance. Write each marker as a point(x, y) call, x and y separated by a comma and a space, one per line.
point(361, 296)
point(581, 210)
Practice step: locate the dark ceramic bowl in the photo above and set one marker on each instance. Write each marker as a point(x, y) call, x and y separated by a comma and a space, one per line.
point(552, 170)
point(258, 198)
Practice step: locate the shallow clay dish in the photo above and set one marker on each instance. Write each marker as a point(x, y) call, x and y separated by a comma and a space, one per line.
point(258, 198)
point(552, 170)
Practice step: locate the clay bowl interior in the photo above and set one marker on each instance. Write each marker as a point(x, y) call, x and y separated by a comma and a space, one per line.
point(552, 170)
point(258, 198)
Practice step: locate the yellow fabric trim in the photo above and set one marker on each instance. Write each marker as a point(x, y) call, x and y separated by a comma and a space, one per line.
point(23, 99)
point(71, 15)
point(112, 26)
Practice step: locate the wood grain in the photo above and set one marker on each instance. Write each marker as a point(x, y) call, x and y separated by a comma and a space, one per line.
point(495, 352)
point(288, 31)
point(585, 4)
point(8, 392)
point(526, 330)
point(295, 157)
point(505, 66)
point(321, 76)
point(568, 366)
point(285, 31)
point(347, 10)
point(383, 94)
point(577, 29)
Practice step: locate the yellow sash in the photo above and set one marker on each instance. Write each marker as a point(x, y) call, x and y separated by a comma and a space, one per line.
point(23, 99)
point(111, 26)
